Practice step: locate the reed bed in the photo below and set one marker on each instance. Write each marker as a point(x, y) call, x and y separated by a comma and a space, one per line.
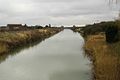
point(13, 39)
point(105, 57)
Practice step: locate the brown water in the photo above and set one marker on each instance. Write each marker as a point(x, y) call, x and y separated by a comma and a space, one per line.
point(60, 57)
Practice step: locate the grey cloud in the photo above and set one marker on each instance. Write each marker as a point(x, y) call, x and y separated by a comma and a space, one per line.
point(64, 12)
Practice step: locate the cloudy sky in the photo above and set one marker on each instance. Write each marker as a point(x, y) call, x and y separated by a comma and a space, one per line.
point(56, 12)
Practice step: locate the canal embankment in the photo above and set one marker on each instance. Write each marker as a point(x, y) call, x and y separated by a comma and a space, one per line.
point(10, 40)
point(105, 56)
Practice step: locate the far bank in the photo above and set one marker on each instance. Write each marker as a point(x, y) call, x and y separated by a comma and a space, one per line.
point(9, 40)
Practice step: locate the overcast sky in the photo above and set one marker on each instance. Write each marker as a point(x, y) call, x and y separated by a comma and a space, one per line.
point(56, 12)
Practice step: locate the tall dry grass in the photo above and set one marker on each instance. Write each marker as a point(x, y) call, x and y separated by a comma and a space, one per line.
point(105, 57)
point(13, 39)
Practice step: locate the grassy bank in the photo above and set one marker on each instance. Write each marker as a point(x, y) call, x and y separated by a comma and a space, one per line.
point(13, 39)
point(104, 56)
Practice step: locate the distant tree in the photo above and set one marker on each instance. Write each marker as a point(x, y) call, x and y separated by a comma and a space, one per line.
point(46, 26)
point(74, 26)
point(25, 25)
point(62, 26)
point(49, 25)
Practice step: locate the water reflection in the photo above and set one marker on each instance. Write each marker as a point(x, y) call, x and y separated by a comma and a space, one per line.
point(70, 75)
point(3, 57)
point(57, 58)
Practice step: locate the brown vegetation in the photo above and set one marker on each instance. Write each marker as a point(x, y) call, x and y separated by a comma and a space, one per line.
point(12, 39)
point(105, 57)
point(104, 54)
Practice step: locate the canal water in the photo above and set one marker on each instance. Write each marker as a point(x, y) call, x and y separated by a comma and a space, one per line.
point(60, 57)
